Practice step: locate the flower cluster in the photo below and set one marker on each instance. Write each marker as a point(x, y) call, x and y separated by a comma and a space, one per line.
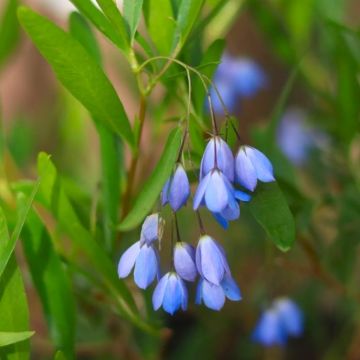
point(224, 181)
point(282, 320)
point(236, 78)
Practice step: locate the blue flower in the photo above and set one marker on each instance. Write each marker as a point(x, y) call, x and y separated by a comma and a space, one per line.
point(211, 260)
point(276, 324)
point(217, 149)
point(176, 190)
point(291, 316)
point(184, 261)
point(252, 165)
point(213, 295)
point(236, 78)
point(170, 293)
point(152, 229)
point(214, 191)
point(269, 330)
point(145, 259)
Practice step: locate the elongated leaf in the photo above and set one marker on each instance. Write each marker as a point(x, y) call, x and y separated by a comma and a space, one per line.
point(270, 209)
point(77, 71)
point(13, 304)
point(9, 30)
point(132, 14)
point(160, 23)
point(54, 198)
point(188, 12)
point(81, 31)
point(112, 12)
point(152, 187)
point(50, 281)
point(9, 338)
point(7, 250)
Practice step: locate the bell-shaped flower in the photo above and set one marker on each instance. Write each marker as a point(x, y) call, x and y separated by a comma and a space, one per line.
point(214, 191)
point(217, 155)
point(184, 261)
point(170, 293)
point(269, 330)
point(211, 260)
point(145, 259)
point(176, 190)
point(252, 165)
point(152, 229)
point(291, 316)
point(213, 296)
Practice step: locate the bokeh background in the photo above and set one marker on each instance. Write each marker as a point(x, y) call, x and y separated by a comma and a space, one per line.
point(321, 272)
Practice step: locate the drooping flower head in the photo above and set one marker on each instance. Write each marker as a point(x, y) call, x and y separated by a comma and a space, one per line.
point(184, 261)
point(217, 155)
point(213, 296)
point(170, 293)
point(252, 165)
point(176, 190)
point(283, 319)
point(152, 229)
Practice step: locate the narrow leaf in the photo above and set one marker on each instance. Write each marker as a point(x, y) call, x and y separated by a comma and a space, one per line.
point(271, 210)
point(77, 71)
point(152, 187)
point(132, 14)
point(9, 338)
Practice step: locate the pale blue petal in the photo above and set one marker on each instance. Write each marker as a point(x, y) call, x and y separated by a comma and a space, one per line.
point(269, 330)
point(242, 196)
point(179, 189)
point(232, 210)
point(200, 191)
point(184, 295)
point(146, 267)
point(209, 261)
point(261, 163)
point(213, 296)
point(150, 229)
point(208, 159)
point(216, 194)
point(231, 289)
point(127, 260)
point(198, 295)
point(290, 315)
point(165, 193)
point(158, 295)
point(184, 261)
point(245, 172)
point(173, 295)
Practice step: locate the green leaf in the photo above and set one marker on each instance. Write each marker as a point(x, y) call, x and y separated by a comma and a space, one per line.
point(9, 338)
point(9, 30)
point(59, 356)
point(188, 12)
point(7, 250)
point(78, 72)
point(81, 31)
point(271, 210)
point(51, 282)
point(52, 195)
point(98, 19)
point(160, 21)
point(13, 303)
point(112, 12)
point(152, 187)
point(132, 15)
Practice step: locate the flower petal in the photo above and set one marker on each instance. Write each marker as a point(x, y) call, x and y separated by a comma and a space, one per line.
point(198, 295)
point(173, 294)
point(245, 172)
point(261, 163)
point(158, 295)
point(200, 191)
point(216, 194)
point(165, 193)
point(213, 296)
point(221, 220)
point(146, 267)
point(242, 196)
point(179, 190)
point(231, 289)
point(184, 261)
point(151, 229)
point(290, 315)
point(128, 259)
